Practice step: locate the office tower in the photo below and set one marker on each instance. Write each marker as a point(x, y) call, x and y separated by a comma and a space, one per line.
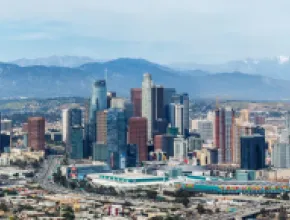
point(71, 117)
point(98, 99)
point(185, 112)
point(160, 126)
point(5, 143)
point(100, 152)
point(36, 132)
point(287, 117)
point(116, 138)
point(253, 152)
point(168, 93)
point(147, 85)
point(205, 128)
point(224, 133)
point(240, 129)
point(6, 125)
point(281, 155)
point(110, 95)
point(87, 143)
point(98, 103)
point(164, 143)
point(171, 109)
point(122, 103)
point(179, 122)
point(137, 134)
point(180, 147)
point(1, 149)
point(194, 143)
point(76, 142)
point(136, 99)
point(25, 127)
point(102, 127)
point(132, 155)
point(157, 102)
point(182, 99)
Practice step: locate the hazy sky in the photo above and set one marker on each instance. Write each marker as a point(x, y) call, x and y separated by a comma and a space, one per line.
point(166, 31)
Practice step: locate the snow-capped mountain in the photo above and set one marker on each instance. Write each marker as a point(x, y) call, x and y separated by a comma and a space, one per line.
point(275, 67)
point(61, 61)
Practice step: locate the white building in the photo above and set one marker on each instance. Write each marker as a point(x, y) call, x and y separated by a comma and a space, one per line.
point(180, 147)
point(179, 122)
point(65, 124)
point(6, 125)
point(281, 155)
point(147, 85)
point(205, 128)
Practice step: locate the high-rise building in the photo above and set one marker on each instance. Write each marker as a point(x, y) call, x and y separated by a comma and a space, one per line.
point(36, 132)
point(102, 127)
point(281, 155)
point(147, 109)
point(71, 117)
point(122, 103)
point(98, 99)
point(224, 133)
point(205, 128)
point(157, 102)
point(182, 99)
point(132, 155)
point(6, 125)
point(100, 152)
point(259, 120)
point(253, 152)
point(240, 129)
point(76, 142)
point(168, 93)
point(179, 122)
point(116, 138)
point(164, 143)
point(110, 95)
point(194, 143)
point(180, 147)
point(136, 99)
point(137, 134)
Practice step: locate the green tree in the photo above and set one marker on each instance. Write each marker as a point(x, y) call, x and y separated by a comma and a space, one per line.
point(200, 209)
point(285, 196)
point(68, 213)
point(282, 214)
point(3, 207)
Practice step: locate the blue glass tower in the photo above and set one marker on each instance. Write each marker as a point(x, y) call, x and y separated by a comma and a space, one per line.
point(253, 152)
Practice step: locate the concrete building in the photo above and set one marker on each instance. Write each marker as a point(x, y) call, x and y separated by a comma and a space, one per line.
point(137, 134)
point(147, 109)
point(224, 133)
point(110, 95)
point(102, 126)
point(182, 99)
point(281, 155)
point(36, 132)
point(6, 125)
point(205, 128)
point(180, 147)
point(253, 152)
point(100, 152)
point(194, 143)
point(122, 103)
point(136, 99)
point(179, 122)
point(164, 143)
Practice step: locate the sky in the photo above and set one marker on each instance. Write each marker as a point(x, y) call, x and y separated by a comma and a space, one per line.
point(165, 31)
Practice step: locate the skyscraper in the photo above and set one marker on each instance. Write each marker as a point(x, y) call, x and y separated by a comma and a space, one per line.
point(102, 127)
point(281, 155)
point(137, 134)
point(147, 85)
point(253, 152)
point(179, 122)
point(116, 138)
point(36, 132)
point(224, 133)
point(110, 95)
point(136, 99)
point(76, 142)
point(71, 117)
point(98, 103)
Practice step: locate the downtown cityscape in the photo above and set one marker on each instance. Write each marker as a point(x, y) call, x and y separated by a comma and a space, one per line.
point(154, 114)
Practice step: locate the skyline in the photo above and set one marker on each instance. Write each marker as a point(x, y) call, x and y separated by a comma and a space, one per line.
point(195, 31)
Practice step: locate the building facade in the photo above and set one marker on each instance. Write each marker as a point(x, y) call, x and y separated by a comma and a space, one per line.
point(136, 99)
point(36, 133)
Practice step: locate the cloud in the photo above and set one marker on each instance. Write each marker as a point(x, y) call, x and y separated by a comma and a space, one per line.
point(32, 36)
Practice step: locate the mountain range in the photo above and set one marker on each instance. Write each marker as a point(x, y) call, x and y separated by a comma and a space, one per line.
point(125, 73)
point(275, 67)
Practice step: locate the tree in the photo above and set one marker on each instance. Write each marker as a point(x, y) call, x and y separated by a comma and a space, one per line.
point(68, 213)
point(217, 210)
point(200, 209)
point(65, 160)
point(3, 207)
point(151, 194)
point(72, 185)
point(285, 196)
